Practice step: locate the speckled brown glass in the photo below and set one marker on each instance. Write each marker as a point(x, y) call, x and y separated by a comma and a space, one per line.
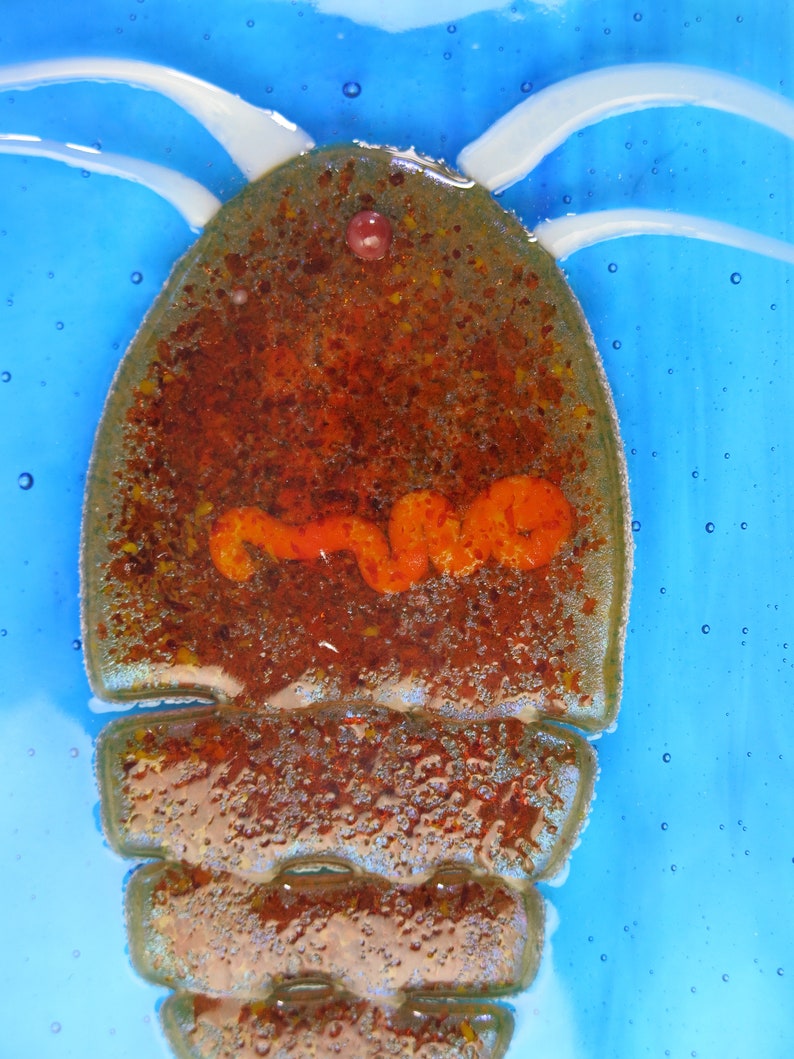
point(379, 773)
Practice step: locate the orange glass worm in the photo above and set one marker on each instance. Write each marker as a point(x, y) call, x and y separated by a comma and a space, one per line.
point(519, 520)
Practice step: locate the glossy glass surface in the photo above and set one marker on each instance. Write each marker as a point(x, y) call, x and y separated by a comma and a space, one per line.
point(675, 932)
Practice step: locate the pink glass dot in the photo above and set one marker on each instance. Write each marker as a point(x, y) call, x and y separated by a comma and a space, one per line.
point(369, 235)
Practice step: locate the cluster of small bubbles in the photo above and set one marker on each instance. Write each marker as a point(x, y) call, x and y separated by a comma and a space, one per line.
point(617, 344)
point(705, 629)
point(709, 527)
point(59, 325)
point(526, 86)
point(6, 376)
point(25, 481)
point(136, 277)
point(351, 89)
point(612, 267)
point(736, 277)
point(665, 758)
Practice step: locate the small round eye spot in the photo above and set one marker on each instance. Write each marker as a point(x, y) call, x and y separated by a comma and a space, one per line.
point(369, 235)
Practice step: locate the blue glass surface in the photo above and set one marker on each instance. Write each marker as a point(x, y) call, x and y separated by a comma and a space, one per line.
point(676, 933)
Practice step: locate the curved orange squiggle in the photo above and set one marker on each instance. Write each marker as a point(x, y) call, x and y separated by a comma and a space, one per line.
point(520, 521)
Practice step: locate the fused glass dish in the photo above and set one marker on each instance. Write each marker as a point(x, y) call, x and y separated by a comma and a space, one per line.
point(695, 338)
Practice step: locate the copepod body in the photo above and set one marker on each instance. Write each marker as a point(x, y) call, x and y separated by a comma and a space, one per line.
point(358, 491)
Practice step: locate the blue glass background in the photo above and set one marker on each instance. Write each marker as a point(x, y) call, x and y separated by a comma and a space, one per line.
point(676, 933)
